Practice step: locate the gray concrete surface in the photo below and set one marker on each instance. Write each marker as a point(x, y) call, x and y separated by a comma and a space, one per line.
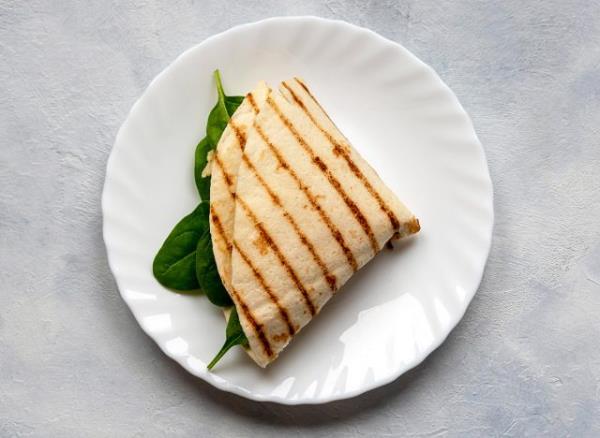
point(525, 360)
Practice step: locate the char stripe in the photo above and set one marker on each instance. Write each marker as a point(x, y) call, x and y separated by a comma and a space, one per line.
point(219, 163)
point(250, 98)
point(331, 279)
point(311, 198)
point(339, 150)
point(358, 215)
point(217, 222)
point(255, 271)
point(305, 88)
point(241, 137)
point(267, 289)
point(258, 328)
point(282, 259)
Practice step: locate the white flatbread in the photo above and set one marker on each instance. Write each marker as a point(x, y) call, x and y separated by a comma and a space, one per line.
point(307, 213)
point(228, 154)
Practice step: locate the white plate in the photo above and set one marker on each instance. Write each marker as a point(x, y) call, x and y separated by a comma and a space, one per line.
point(403, 119)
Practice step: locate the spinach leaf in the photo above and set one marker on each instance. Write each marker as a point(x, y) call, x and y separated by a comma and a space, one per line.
point(217, 122)
point(208, 274)
point(175, 263)
point(234, 335)
point(202, 183)
point(218, 117)
point(232, 103)
point(185, 261)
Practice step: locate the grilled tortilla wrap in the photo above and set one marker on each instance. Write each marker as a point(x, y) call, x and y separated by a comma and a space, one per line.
point(224, 164)
point(308, 212)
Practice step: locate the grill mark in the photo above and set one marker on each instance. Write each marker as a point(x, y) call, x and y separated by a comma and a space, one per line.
point(339, 150)
point(311, 198)
point(255, 271)
point(282, 259)
point(219, 163)
point(241, 137)
point(258, 328)
point(219, 225)
point(282, 311)
point(331, 279)
point(358, 215)
point(250, 98)
point(304, 86)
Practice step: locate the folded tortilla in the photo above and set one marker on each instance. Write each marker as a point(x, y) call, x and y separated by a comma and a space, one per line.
point(224, 165)
point(295, 211)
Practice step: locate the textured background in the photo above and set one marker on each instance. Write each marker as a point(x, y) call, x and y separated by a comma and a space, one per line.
point(525, 360)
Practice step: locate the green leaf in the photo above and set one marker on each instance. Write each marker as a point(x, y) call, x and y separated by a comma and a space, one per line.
point(217, 122)
point(232, 103)
point(202, 183)
point(208, 274)
point(175, 263)
point(234, 335)
point(218, 117)
point(186, 262)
